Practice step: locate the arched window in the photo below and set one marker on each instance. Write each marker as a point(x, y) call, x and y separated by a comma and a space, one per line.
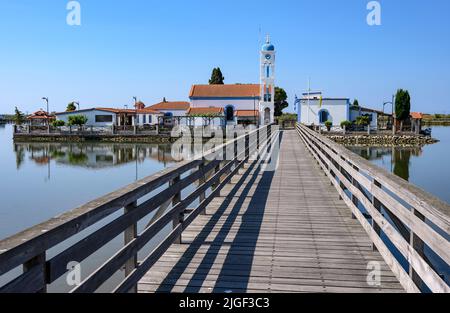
point(323, 116)
point(267, 116)
point(229, 113)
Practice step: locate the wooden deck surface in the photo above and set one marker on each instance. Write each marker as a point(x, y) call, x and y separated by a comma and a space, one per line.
point(282, 231)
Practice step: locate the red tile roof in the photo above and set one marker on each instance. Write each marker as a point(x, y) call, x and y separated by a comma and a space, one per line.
point(149, 111)
point(205, 111)
point(41, 115)
point(225, 91)
point(246, 113)
point(168, 105)
point(113, 110)
point(417, 115)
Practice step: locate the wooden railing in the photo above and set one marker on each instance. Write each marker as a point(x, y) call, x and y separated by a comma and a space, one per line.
point(206, 174)
point(398, 213)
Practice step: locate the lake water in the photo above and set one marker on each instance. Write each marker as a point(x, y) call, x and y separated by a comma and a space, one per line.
point(427, 167)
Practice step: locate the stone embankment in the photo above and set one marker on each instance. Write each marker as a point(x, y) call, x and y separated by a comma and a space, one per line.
point(382, 140)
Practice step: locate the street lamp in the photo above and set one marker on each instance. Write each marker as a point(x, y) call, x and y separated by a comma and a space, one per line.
point(46, 100)
point(135, 111)
point(77, 104)
point(391, 103)
point(392, 117)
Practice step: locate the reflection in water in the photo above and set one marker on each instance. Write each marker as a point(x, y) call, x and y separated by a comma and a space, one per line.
point(90, 155)
point(400, 157)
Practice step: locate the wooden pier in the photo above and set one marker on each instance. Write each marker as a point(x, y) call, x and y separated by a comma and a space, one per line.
point(282, 231)
point(323, 220)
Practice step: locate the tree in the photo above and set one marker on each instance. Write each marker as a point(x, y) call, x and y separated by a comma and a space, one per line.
point(402, 106)
point(58, 123)
point(216, 77)
point(280, 101)
point(78, 120)
point(19, 117)
point(71, 107)
point(356, 103)
point(363, 120)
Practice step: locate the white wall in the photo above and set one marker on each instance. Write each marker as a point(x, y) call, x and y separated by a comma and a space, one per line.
point(174, 112)
point(150, 119)
point(90, 115)
point(239, 104)
point(338, 110)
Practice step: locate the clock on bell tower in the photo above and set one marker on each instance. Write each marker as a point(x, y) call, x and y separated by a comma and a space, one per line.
point(267, 82)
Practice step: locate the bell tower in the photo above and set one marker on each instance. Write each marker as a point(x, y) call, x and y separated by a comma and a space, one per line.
point(267, 81)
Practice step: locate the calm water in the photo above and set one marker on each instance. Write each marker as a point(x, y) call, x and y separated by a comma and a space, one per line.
point(43, 180)
point(427, 167)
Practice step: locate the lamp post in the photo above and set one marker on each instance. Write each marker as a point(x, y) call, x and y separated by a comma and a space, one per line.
point(392, 105)
point(48, 114)
point(46, 100)
point(135, 110)
point(77, 104)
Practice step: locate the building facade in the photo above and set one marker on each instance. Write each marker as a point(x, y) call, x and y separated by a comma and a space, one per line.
point(242, 103)
point(316, 110)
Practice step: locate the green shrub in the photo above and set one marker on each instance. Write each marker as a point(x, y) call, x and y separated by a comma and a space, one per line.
point(78, 120)
point(346, 124)
point(328, 124)
point(58, 123)
point(362, 120)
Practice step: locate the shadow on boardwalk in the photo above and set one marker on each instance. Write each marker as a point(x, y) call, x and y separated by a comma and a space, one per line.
point(254, 215)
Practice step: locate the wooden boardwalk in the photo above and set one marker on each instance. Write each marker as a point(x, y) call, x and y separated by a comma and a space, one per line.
point(282, 231)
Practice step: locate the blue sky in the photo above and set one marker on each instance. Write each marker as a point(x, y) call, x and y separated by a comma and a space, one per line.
point(155, 49)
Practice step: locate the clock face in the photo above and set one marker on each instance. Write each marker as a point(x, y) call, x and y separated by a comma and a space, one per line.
point(268, 56)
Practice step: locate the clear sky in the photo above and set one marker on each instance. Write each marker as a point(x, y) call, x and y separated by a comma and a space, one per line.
point(155, 49)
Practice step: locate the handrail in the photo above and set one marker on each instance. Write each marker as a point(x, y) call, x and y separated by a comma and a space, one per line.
point(405, 204)
point(29, 248)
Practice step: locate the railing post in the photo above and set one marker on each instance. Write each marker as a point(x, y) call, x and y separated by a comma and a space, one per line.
point(355, 200)
point(48, 129)
point(418, 245)
point(129, 235)
point(377, 205)
point(38, 261)
point(178, 219)
point(201, 181)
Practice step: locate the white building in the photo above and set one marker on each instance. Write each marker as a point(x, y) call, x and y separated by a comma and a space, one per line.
point(372, 114)
point(237, 103)
point(242, 103)
point(171, 108)
point(95, 116)
point(316, 110)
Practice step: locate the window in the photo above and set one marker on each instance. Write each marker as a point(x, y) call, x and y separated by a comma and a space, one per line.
point(150, 119)
point(229, 113)
point(103, 118)
point(323, 116)
point(144, 119)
